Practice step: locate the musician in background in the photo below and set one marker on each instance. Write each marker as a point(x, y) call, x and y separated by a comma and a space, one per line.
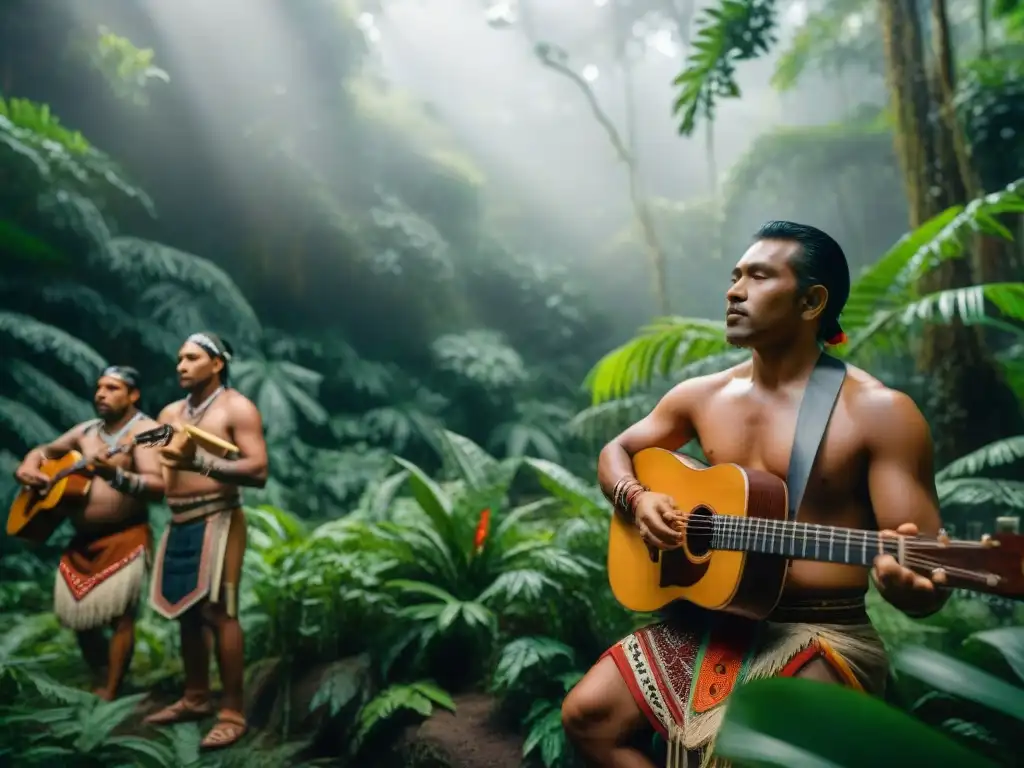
point(102, 570)
point(874, 471)
point(199, 560)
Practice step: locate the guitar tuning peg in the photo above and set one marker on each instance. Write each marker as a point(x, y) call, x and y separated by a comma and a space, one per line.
point(988, 541)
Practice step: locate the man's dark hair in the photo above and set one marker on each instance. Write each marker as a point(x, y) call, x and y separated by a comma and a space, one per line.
point(820, 261)
point(125, 373)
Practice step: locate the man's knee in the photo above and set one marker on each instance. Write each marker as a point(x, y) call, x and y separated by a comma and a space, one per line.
point(600, 706)
point(581, 712)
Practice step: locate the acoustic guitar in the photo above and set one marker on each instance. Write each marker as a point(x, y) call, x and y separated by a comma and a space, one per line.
point(35, 513)
point(738, 543)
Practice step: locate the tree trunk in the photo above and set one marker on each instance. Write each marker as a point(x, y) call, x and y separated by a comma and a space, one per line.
point(972, 404)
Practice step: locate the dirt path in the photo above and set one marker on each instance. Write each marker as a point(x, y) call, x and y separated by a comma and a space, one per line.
point(469, 737)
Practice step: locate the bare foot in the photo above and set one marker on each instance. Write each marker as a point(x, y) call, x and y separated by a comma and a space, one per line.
point(229, 729)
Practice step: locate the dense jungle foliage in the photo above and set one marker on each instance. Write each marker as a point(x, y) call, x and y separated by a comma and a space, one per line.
point(432, 530)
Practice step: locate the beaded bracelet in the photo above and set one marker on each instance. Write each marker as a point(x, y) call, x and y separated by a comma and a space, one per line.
point(627, 490)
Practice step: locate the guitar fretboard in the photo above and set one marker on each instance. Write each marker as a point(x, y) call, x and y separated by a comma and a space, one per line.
point(800, 541)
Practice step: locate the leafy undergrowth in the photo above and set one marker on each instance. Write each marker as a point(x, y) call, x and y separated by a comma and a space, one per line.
point(485, 580)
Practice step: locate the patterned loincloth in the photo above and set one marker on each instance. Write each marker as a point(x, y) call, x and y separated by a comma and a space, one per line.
point(100, 577)
point(189, 561)
point(680, 673)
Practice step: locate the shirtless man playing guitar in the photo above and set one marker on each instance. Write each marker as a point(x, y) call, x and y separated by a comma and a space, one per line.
point(102, 571)
point(874, 471)
point(198, 565)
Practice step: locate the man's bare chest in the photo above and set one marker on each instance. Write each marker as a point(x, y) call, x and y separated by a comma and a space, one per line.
point(93, 444)
point(215, 420)
point(759, 435)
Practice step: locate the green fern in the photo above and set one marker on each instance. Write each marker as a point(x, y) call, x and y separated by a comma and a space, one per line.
point(662, 348)
point(153, 262)
point(525, 655)
point(969, 305)
point(537, 430)
point(1000, 453)
point(31, 428)
point(545, 735)
point(39, 148)
point(559, 482)
point(342, 683)
point(978, 491)
point(419, 698)
point(883, 307)
point(602, 421)
point(49, 340)
point(727, 32)
point(281, 390)
point(47, 393)
point(889, 283)
point(480, 357)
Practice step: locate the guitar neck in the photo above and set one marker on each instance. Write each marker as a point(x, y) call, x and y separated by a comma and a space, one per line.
point(801, 541)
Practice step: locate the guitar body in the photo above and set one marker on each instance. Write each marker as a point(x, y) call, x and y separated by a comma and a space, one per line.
point(35, 517)
point(743, 583)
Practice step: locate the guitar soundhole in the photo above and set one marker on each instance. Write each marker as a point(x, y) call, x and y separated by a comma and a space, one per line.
point(698, 531)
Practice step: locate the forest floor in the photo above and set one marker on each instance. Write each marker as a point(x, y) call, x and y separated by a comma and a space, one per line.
point(470, 737)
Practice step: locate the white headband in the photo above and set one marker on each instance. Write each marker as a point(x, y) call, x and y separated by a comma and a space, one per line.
point(204, 341)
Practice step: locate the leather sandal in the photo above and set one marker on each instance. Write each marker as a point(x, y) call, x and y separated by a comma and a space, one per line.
point(230, 727)
point(181, 711)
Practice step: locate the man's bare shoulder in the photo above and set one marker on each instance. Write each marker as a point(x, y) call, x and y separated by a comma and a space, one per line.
point(78, 431)
point(699, 388)
point(170, 411)
point(144, 423)
point(239, 406)
point(878, 409)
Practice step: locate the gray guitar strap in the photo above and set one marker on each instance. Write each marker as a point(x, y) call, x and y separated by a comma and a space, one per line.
point(816, 408)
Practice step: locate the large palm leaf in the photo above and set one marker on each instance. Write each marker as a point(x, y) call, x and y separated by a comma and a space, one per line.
point(152, 262)
point(1010, 450)
point(45, 392)
point(49, 340)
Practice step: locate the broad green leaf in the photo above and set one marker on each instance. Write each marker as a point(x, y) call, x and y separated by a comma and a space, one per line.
point(792, 720)
point(1008, 641)
point(958, 679)
point(431, 498)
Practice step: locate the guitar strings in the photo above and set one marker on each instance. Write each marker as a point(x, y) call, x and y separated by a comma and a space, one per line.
point(819, 534)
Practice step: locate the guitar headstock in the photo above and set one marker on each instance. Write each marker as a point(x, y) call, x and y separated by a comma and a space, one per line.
point(158, 436)
point(993, 564)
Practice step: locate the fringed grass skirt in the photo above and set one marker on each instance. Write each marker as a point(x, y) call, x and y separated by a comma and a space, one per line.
point(100, 579)
point(680, 674)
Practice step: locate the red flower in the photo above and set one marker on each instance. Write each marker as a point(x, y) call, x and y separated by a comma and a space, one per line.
point(482, 527)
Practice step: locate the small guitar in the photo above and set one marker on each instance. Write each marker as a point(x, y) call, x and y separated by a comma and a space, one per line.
point(738, 542)
point(35, 513)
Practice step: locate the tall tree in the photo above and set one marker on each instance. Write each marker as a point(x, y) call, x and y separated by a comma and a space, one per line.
point(975, 404)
